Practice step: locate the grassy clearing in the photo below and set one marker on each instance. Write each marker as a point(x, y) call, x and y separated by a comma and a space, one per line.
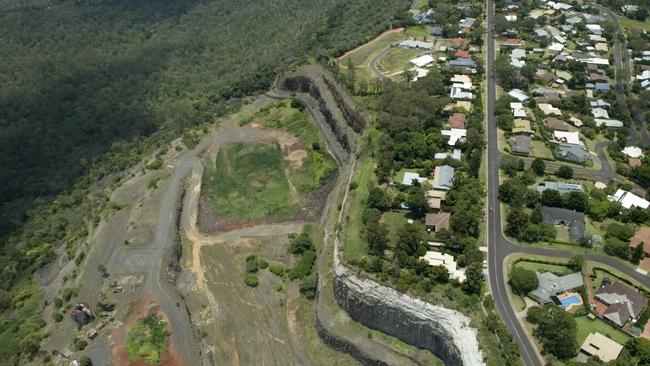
point(520, 303)
point(393, 220)
point(147, 339)
point(542, 267)
point(361, 55)
point(539, 150)
point(586, 326)
point(419, 31)
point(318, 165)
point(248, 182)
point(355, 247)
point(397, 59)
point(628, 23)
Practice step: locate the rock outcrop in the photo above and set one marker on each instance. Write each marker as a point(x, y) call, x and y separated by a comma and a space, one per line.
point(444, 332)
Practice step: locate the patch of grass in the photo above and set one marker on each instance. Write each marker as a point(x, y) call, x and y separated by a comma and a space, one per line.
point(519, 302)
point(394, 221)
point(397, 59)
point(361, 55)
point(539, 150)
point(147, 339)
point(542, 267)
point(628, 23)
point(355, 247)
point(248, 182)
point(419, 31)
point(587, 326)
point(318, 164)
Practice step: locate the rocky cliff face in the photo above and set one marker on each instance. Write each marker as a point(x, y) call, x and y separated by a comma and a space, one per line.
point(444, 332)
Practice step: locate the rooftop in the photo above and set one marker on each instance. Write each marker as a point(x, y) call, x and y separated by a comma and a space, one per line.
point(599, 345)
point(551, 285)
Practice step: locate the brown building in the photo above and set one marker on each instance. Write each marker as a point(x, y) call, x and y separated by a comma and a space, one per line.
point(457, 120)
point(438, 221)
point(556, 124)
point(622, 303)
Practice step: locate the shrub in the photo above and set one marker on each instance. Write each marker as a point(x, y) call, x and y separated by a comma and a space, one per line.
point(81, 345)
point(252, 264)
point(303, 267)
point(277, 269)
point(57, 317)
point(58, 302)
point(301, 243)
point(308, 286)
point(251, 280)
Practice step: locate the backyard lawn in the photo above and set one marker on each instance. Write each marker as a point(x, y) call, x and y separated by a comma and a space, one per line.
point(248, 182)
point(393, 220)
point(542, 267)
point(397, 59)
point(586, 326)
point(539, 150)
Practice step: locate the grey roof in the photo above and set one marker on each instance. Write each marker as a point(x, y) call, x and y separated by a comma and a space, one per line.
point(462, 62)
point(573, 152)
point(522, 144)
point(561, 187)
point(574, 220)
point(444, 178)
point(623, 302)
point(416, 44)
point(551, 285)
point(436, 31)
point(467, 23)
point(602, 86)
point(540, 32)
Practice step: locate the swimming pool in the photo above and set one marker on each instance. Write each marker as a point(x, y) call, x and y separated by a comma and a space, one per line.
point(568, 301)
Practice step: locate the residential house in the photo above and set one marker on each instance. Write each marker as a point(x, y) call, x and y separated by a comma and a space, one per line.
point(462, 54)
point(601, 47)
point(518, 110)
point(629, 200)
point(642, 237)
point(461, 43)
point(422, 61)
point(443, 177)
point(461, 91)
point(550, 286)
point(455, 135)
point(541, 33)
point(522, 145)
point(519, 95)
point(573, 220)
point(457, 120)
point(600, 346)
point(610, 123)
point(634, 162)
point(619, 303)
point(633, 151)
point(549, 109)
point(561, 187)
point(436, 31)
point(409, 177)
point(461, 79)
point(567, 137)
point(572, 152)
point(456, 154)
point(435, 198)
point(416, 44)
point(556, 124)
point(435, 222)
point(512, 42)
point(522, 126)
point(447, 261)
point(462, 62)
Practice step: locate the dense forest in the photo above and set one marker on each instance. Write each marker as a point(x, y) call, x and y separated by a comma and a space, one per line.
point(91, 87)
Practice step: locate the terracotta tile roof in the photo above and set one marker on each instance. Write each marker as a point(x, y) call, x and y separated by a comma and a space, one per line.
point(457, 120)
point(460, 42)
point(439, 220)
point(642, 236)
point(461, 53)
point(556, 124)
point(634, 162)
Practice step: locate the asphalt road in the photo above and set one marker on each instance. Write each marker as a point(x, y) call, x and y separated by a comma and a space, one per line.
point(373, 64)
point(499, 247)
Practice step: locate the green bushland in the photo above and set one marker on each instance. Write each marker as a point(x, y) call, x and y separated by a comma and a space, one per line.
point(291, 116)
point(248, 183)
point(147, 339)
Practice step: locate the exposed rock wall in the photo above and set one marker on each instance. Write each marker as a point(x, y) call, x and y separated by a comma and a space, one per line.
point(353, 117)
point(444, 332)
point(306, 85)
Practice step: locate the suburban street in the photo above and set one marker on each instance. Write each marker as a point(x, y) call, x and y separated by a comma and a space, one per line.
point(499, 247)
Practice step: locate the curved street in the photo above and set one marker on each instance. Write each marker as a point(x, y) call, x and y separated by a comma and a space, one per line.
point(499, 247)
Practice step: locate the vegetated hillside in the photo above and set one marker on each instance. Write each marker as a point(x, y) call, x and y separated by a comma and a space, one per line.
point(88, 87)
point(78, 76)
